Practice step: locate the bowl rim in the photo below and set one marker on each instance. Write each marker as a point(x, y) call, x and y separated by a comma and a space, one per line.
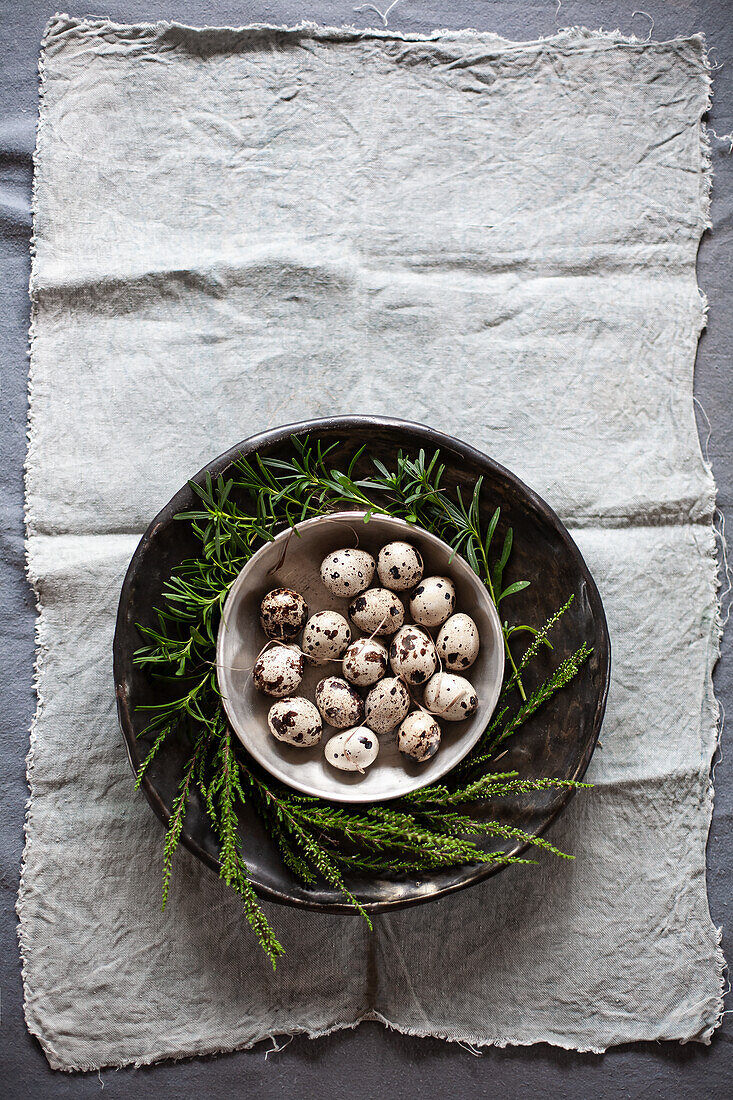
point(414, 783)
point(430, 437)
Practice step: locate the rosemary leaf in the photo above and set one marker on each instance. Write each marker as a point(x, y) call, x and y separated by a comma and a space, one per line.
point(432, 828)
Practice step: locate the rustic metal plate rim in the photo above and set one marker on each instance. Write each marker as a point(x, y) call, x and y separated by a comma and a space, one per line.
point(471, 874)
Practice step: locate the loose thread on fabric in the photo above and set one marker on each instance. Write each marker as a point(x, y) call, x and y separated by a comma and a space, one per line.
point(275, 1048)
point(646, 13)
point(470, 1048)
point(719, 747)
point(726, 596)
point(708, 426)
point(383, 15)
point(723, 137)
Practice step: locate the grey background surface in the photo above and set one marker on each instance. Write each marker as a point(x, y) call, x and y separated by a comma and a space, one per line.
point(370, 1060)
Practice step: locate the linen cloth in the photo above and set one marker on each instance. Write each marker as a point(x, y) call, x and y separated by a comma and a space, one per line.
point(239, 228)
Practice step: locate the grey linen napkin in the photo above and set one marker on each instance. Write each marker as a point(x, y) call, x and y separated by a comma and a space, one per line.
point(239, 228)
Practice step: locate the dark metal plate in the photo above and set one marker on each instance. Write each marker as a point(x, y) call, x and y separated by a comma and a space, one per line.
point(558, 741)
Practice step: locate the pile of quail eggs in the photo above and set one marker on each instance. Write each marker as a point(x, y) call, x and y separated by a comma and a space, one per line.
point(377, 689)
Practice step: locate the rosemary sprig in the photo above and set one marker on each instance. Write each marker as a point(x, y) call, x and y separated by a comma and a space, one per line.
point(430, 829)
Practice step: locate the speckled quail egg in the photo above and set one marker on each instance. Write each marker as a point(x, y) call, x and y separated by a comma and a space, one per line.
point(433, 601)
point(352, 751)
point(412, 655)
point(296, 721)
point(399, 566)
point(325, 637)
point(365, 662)
point(377, 611)
point(419, 736)
point(347, 572)
point(386, 705)
point(450, 697)
point(278, 671)
point(458, 642)
point(339, 703)
point(283, 613)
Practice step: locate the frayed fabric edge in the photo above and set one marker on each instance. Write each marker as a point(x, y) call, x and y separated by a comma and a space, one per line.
point(473, 1044)
point(41, 642)
point(466, 1041)
point(61, 22)
point(717, 553)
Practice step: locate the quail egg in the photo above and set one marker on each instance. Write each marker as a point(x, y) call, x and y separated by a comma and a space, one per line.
point(419, 736)
point(347, 572)
point(295, 721)
point(283, 613)
point(433, 601)
point(377, 611)
point(458, 642)
point(278, 671)
point(450, 697)
point(399, 566)
point(412, 655)
point(339, 703)
point(352, 751)
point(365, 662)
point(386, 705)
point(325, 637)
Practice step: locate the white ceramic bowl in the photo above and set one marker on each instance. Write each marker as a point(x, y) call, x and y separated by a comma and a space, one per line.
point(294, 562)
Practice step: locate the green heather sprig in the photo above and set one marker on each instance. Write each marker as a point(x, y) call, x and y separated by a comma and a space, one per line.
point(432, 828)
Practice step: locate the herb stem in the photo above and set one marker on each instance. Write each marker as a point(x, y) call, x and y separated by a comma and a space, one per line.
point(319, 840)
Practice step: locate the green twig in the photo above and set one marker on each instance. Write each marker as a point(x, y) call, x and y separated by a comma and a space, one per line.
point(430, 829)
